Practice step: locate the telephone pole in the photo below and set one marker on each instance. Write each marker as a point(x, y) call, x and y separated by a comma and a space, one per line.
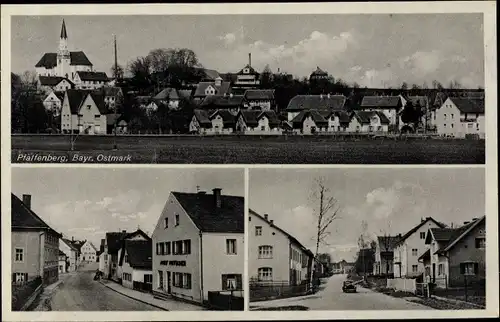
point(115, 147)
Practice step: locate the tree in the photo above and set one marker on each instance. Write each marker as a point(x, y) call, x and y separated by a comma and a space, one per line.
point(182, 116)
point(437, 85)
point(119, 72)
point(141, 69)
point(174, 67)
point(365, 243)
point(266, 78)
point(404, 86)
point(412, 114)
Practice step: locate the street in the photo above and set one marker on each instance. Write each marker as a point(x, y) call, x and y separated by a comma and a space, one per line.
point(331, 297)
point(79, 292)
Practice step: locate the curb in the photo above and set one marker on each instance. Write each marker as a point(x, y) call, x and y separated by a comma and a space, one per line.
point(138, 300)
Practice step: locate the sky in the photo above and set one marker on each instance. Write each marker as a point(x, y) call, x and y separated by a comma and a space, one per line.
point(390, 201)
point(88, 202)
point(380, 50)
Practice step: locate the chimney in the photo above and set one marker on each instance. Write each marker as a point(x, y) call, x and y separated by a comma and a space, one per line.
point(475, 218)
point(72, 238)
point(266, 216)
point(27, 201)
point(278, 70)
point(271, 222)
point(249, 59)
point(217, 197)
point(466, 222)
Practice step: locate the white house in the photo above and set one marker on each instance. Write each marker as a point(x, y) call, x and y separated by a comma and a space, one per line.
point(247, 77)
point(67, 247)
point(209, 122)
point(134, 264)
point(171, 97)
point(90, 80)
point(262, 99)
point(460, 116)
point(48, 84)
point(213, 88)
point(274, 255)
point(198, 246)
point(253, 122)
point(321, 102)
point(368, 121)
point(410, 247)
point(384, 255)
point(389, 105)
point(83, 112)
point(62, 262)
point(53, 102)
point(88, 252)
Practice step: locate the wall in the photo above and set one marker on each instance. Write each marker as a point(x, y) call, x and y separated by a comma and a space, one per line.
point(262, 128)
point(265, 105)
point(217, 262)
point(30, 243)
point(185, 230)
point(273, 237)
point(88, 112)
point(102, 263)
point(308, 124)
point(292, 115)
point(51, 256)
point(414, 241)
point(70, 253)
point(88, 253)
point(402, 284)
point(52, 102)
point(448, 121)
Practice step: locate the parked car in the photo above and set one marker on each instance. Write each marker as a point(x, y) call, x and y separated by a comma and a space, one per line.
point(349, 287)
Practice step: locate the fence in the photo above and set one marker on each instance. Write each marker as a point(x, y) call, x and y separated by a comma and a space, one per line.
point(226, 301)
point(261, 291)
point(402, 284)
point(469, 290)
point(22, 292)
point(142, 287)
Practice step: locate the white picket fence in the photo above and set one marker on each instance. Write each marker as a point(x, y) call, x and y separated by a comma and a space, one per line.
point(402, 284)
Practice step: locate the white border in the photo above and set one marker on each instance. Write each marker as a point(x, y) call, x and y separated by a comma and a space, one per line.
point(488, 8)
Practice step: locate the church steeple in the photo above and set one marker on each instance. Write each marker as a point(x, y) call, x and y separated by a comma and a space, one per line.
point(64, 34)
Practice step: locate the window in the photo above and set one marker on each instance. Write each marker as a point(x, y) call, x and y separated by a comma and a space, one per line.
point(469, 268)
point(162, 249)
point(127, 277)
point(477, 126)
point(97, 117)
point(186, 281)
point(422, 235)
point(231, 282)
point(19, 277)
point(186, 246)
point(452, 125)
point(265, 274)
point(452, 116)
point(178, 279)
point(469, 125)
point(444, 125)
point(231, 246)
point(166, 222)
point(89, 107)
point(167, 248)
point(19, 255)
point(414, 268)
point(106, 256)
point(148, 278)
point(266, 251)
point(177, 220)
point(126, 258)
point(444, 115)
point(258, 231)
point(481, 242)
point(414, 252)
point(440, 269)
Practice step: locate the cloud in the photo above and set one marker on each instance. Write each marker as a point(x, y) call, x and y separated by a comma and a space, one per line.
point(228, 39)
point(422, 63)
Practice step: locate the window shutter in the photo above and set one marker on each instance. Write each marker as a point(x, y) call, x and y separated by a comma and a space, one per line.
point(26, 276)
point(224, 281)
point(239, 282)
point(462, 268)
point(476, 268)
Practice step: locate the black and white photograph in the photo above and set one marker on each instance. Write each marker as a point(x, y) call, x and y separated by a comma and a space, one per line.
point(367, 239)
point(127, 239)
point(244, 89)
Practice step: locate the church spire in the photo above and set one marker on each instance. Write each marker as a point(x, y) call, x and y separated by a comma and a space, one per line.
point(64, 35)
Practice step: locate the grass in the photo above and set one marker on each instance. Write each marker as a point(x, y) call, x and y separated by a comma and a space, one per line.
point(254, 150)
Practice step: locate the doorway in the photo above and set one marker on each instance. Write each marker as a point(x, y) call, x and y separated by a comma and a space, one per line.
point(433, 272)
point(169, 290)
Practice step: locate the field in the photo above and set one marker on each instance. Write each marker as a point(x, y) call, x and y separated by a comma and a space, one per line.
point(246, 150)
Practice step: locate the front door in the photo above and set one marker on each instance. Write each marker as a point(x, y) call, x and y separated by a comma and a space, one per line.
point(433, 272)
point(169, 283)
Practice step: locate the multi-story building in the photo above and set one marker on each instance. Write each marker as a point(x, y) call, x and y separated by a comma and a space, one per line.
point(384, 255)
point(247, 77)
point(83, 112)
point(134, 264)
point(320, 102)
point(274, 255)
point(318, 75)
point(261, 99)
point(88, 252)
point(198, 246)
point(460, 117)
point(410, 247)
point(252, 122)
point(67, 247)
point(35, 245)
point(391, 106)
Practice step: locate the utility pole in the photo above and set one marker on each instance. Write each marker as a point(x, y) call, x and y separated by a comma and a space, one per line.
point(115, 147)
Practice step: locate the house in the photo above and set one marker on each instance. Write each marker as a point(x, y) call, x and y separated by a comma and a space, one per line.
point(113, 243)
point(64, 63)
point(135, 264)
point(67, 247)
point(48, 84)
point(121, 124)
point(218, 87)
point(198, 246)
point(389, 105)
point(230, 102)
point(83, 112)
point(454, 252)
point(53, 102)
point(262, 99)
point(301, 103)
point(63, 262)
point(88, 252)
point(112, 95)
point(209, 122)
point(384, 255)
point(247, 77)
point(257, 122)
point(460, 117)
point(368, 121)
point(318, 75)
point(90, 80)
point(275, 255)
point(342, 267)
point(34, 244)
point(171, 97)
point(103, 256)
point(321, 121)
point(410, 247)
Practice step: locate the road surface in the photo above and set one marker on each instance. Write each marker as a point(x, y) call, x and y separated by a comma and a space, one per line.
point(79, 292)
point(331, 297)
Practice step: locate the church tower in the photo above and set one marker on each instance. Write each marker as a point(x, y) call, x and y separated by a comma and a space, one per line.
point(63, 55)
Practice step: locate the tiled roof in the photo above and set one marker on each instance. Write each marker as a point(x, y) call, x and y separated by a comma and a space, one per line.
point(52, 80)
point(414, 229)
point(208, 74)
point(49, 60)
point(111, 91)
point(76, 98)
point(140, 254)
point(168, 93)
point(252, 117)
point(221, 102)
point(225, 88)
point(203, 118)
point(251, 70)
point(201, 208)
point(381, 102)
point(259, 94)
point(69, 243)
point(319, 102)
point(456, 234)
point(115, 240)
point(227, 118)
point(24, 218)
point(314, 114)
point(469, 105)
point(93, 76)
point(365, 116)
point(64, 34)
point(319, 72)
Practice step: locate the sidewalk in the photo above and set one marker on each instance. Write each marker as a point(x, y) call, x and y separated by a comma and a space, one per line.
point(44, 299)
point(166, 305)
